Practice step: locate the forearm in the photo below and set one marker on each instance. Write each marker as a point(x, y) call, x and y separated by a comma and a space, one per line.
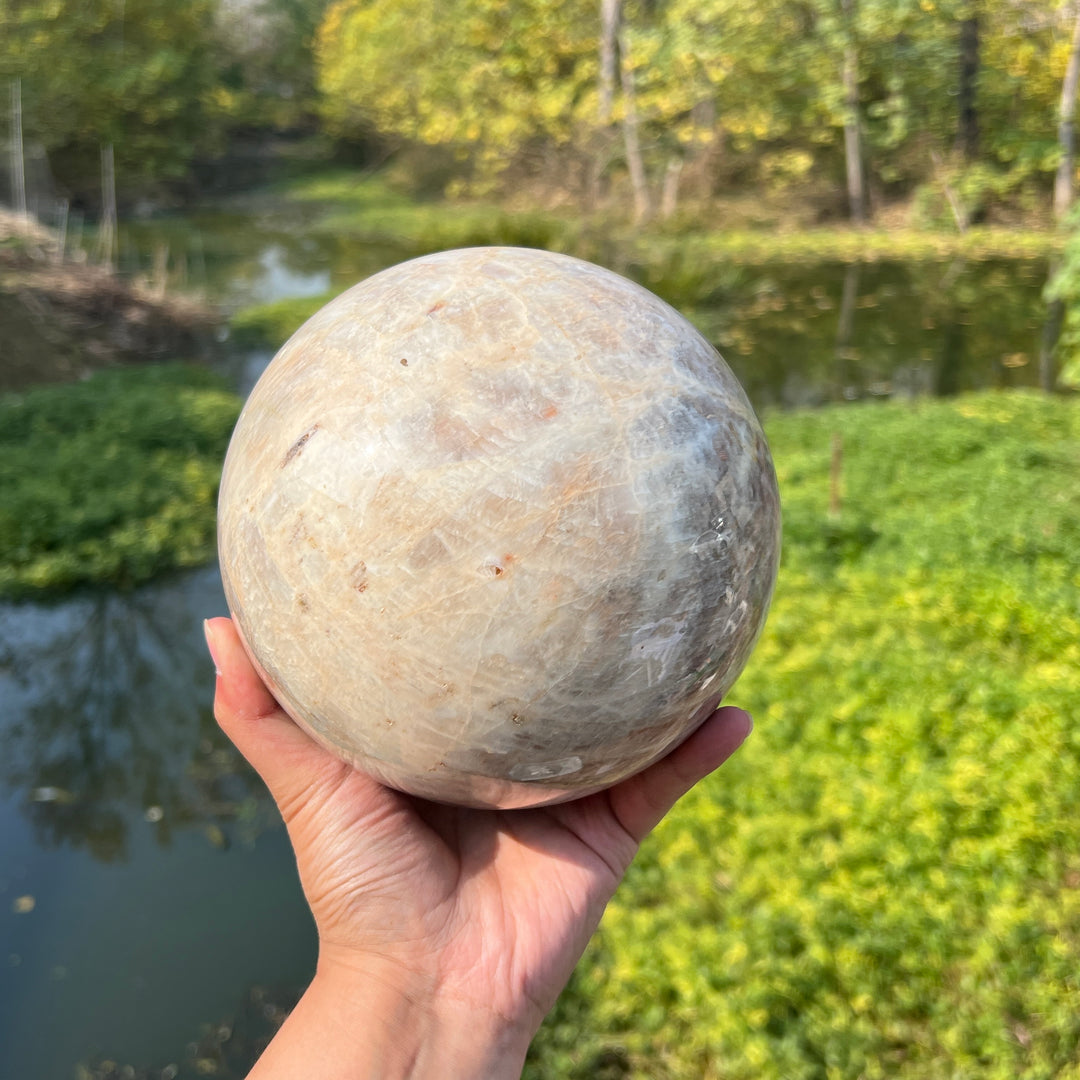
point(349, 1026)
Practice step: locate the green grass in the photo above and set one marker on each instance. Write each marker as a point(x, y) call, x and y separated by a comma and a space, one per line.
point(885, 881)
point(274, 323)
point(747, 247)
point(110, 480)
point(370, 207)
point(366, 206)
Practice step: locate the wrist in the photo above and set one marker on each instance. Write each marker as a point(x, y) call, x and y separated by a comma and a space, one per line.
point(370, 1018)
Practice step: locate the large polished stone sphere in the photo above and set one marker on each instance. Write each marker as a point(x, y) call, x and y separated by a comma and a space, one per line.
point(499, 527)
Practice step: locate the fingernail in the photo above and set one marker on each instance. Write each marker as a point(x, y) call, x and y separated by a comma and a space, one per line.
point(210, 645)
point(748, 725)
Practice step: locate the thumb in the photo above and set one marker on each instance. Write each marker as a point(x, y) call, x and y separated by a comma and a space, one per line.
point(642, 801)
point(290, 762)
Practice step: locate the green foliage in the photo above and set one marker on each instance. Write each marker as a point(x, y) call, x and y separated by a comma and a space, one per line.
point(751, 94)
point(268, 71)
point(370, 209)
point(274, 323)
point(1064, 285)
point(112, 479)
point(885, 881)
point(749, 248)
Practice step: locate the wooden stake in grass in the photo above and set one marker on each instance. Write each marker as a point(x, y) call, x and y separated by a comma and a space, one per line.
point(835, 469)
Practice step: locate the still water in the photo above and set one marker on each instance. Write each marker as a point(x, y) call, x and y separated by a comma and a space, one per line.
point(146, 885)
point(144, 882)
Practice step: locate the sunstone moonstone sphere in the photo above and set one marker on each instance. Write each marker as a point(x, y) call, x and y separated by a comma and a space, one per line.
point(498, 527)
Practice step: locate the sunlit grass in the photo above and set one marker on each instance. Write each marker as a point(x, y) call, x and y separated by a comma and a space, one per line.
point(845, 244)
point(885, 881)
point(369, 206)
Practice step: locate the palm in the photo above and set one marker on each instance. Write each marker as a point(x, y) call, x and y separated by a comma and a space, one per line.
point(501, 903)
point(492, 907)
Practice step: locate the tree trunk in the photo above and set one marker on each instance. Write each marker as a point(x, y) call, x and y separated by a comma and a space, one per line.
point(107, 231)
point(1063, 194)
point(635, 163)
point(1055, 317)
point(707, 149)
point(967, 126)
point(852, 143)
point(18, 166)
point(1063, 182)
point(610, 17)
point(669, 196)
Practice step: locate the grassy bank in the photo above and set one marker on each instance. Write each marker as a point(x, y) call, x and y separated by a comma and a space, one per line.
point(886, 880)
point(371, 208)
point(113, 479)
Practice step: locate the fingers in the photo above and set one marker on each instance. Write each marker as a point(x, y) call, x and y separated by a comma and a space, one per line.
point(641, 802)
point(283, 754)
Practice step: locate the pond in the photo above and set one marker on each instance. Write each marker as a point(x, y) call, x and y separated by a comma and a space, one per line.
point(149, 910)
point(796, 334)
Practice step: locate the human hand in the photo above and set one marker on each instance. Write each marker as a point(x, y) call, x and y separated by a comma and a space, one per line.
point(445, 934)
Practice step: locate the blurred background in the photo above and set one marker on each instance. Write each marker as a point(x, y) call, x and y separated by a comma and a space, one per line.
point(865, 204)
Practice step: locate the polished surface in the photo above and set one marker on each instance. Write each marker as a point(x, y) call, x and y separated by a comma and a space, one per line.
point(499, 526)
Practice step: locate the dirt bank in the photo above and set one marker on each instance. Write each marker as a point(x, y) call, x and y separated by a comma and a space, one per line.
point(61, 319)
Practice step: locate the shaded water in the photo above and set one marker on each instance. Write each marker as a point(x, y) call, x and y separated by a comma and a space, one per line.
point(143, 873)
point(803, 335)
point(145, 882)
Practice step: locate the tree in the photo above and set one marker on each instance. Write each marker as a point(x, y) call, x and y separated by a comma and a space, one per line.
point(635, 162)
point(484, 78)
point(1063, 197)
point(853, 161)
point(1063, 180)
point(610, 18)
point(862, 97)
point(967, 126)
point(714, 74)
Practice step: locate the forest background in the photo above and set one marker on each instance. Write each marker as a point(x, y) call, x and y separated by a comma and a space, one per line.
point(896, 111)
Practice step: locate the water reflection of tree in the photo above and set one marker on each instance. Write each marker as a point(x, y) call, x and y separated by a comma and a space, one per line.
point(109, 719)
point(846, 353)
point(227, 1049)
point(803, 333)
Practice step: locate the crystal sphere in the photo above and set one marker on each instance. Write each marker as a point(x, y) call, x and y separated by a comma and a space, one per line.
point(499, 527)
